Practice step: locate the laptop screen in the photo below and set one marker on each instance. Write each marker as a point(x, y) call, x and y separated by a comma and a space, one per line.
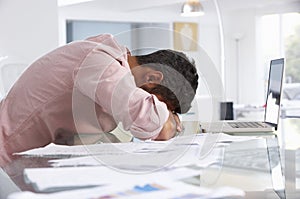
point(274, 91)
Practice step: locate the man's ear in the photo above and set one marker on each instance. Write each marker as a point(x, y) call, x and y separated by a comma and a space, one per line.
point(154, 77)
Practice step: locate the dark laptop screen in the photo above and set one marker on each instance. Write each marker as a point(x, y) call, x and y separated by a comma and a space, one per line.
point(274, 91)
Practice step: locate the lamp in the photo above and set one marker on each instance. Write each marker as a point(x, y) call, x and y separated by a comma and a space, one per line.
point(192, 8)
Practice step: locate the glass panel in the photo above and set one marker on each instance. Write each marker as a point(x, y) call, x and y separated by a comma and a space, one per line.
point(244, 165)
point(298, 169)
point(276, 167)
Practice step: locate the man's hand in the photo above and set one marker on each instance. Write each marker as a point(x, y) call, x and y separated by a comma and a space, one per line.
point(170, 128)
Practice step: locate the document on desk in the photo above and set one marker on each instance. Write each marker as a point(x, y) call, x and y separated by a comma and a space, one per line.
point(129, 156)
point(149, 190)
point(53, 150)
point(126, 163)
point(55, 179)
point(140, 161)
point(143, 156)
point(106, 148)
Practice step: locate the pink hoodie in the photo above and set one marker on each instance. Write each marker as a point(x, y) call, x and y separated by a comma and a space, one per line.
point(54, 98)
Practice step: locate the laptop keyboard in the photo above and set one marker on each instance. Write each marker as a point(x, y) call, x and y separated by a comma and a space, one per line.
point(246, 125)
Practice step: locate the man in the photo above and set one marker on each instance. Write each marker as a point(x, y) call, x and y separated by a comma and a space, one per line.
point(89, 87)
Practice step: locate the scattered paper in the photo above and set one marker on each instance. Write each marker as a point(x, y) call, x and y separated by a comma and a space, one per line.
point(155, 189)
point(182, 156)
point(54, 179)
point(117, 166)
point(53, 150)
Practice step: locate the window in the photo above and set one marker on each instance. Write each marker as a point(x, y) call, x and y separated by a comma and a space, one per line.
point(280, 37)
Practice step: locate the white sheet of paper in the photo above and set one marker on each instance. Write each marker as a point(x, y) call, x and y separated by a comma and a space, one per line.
point(150, 155)
point(52, 179)
point(140, 147)
point(154, 189)
point(138, 162)
point(234, 138)
point(108, 148)
point(82, 150)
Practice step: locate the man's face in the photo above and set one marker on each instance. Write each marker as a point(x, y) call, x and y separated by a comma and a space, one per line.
point(138, 73)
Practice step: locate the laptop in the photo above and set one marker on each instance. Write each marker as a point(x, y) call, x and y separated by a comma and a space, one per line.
point(272, 107)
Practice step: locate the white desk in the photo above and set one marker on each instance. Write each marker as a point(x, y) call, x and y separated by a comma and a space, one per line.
point(243, 165)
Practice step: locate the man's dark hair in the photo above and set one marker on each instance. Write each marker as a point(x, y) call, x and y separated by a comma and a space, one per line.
point(180, 78)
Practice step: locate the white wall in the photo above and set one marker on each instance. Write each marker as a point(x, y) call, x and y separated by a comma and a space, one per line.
point(241, 73)
point(169, 14)
point(29, 28)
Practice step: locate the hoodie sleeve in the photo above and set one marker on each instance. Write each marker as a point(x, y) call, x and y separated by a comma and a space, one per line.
point(103, 79)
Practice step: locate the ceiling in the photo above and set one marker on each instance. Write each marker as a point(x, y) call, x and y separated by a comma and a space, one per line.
point(134, 5)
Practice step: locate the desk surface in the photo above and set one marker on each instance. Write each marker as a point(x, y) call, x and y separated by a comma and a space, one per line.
point(243, 166)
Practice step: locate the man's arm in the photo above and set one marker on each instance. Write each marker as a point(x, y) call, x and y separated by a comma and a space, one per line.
point(170, 128)
point(112, 87)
